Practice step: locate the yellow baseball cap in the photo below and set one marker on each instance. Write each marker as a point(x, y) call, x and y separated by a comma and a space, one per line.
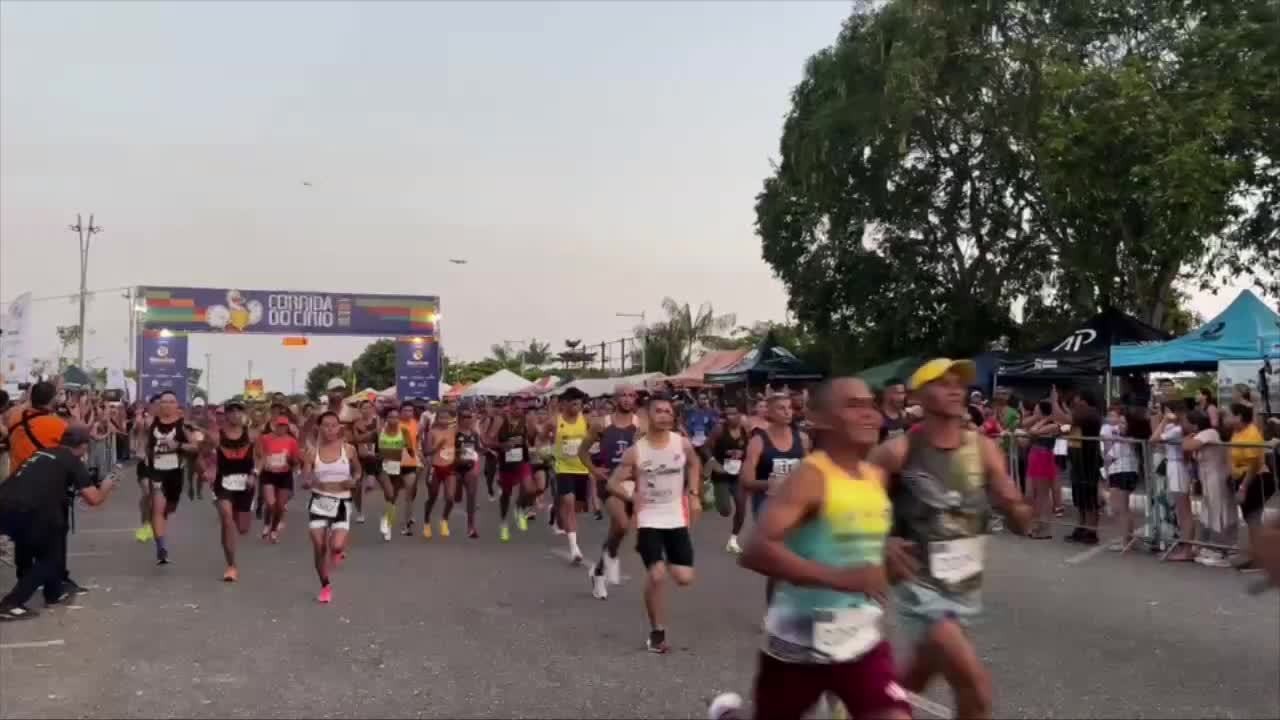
point(938, 367)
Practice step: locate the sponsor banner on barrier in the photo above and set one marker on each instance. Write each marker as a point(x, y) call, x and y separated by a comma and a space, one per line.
point(289, 312)
point(417, 368)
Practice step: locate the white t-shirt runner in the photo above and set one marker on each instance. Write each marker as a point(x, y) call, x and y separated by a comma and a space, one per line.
point(659, 494)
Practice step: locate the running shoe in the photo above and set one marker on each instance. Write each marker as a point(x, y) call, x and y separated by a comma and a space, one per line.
point(504, 534)
point(144, 534)
point(1213, 559)
point(231, 575)
point(408, 530)
point(360, 518)
point(657, 642)
point(522, 522)
point(266, 532)
point(599, 587)
point(726, 706)
point(576, 557)
point(612, 569)
point(732, 546)
point(444, 528)
point(426, 530)
point(384, 527)
point(62, 597)
point(162, 557)
point(599, 514)
point(74, 588)
point(16, 612)
point(473, 533)
point(326, 595)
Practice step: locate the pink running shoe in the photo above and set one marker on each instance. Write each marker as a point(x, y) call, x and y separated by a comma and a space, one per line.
point(326, 595)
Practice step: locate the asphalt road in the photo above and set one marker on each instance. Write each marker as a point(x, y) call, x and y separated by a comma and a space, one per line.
point(476, 628)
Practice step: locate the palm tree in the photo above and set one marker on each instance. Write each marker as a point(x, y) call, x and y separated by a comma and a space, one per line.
point(687, 330)
point(538, 353)
point(504, 357)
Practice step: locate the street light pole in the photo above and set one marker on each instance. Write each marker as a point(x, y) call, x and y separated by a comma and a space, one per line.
point(644, 339)
point(85, 233)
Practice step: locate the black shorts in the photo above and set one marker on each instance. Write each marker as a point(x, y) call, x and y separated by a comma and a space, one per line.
point(241, 500)
point(579, 486)
point(1257, 495)
point(1125, 481)
point(279, 480)
point(669, 545)
point(143, 470)
point(169, 483)
point(371, 467)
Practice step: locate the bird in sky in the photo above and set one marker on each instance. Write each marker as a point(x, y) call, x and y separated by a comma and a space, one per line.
point(306, 183)
point(457, 261)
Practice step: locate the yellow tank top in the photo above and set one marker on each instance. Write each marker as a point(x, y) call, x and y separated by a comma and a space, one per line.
point(569, 437)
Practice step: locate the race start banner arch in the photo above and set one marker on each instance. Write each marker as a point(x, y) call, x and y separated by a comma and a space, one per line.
point(172, 313)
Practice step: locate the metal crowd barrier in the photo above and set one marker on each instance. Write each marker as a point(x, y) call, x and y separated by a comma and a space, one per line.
point(1151, 498)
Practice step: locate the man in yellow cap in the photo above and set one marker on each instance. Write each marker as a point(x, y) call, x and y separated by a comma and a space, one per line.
point(944, 479)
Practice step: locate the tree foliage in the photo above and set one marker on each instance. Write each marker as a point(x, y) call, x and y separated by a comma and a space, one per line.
point(942, 162)
point(320, 375)
point(376, 365)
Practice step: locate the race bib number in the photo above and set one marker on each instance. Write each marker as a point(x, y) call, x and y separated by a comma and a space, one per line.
point(594, 449)
point(469, 454)
point(277, 462)
point(629, 489)
point(570, 446)
point(166, 461)
point(782, 467)
point(324, 506)
point(391, 467)
point(515, 455)
point(954, 561)
point(239, 481)
point(733, 467)
point(699, 439)
point(846, 634)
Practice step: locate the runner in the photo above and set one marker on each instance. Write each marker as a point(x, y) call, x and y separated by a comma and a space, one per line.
point(364, 433)
point(443, 441)
point(772, 453)
point(278, 457)
point(822, 541)
point(167, 441)
point(410, 466)
point(572, 481)
point(141, 440)
point(728, 447)
point(393, 442)
point(197, 427)
point(654, 471)
point(615, 439)
point(234, 477)
point(942, 478)
point(470, 464)
point(543, 437)
point(510, 435)
point(331, 472)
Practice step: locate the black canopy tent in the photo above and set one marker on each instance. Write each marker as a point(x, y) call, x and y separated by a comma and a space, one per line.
point(767, 363)
point(1083, 353)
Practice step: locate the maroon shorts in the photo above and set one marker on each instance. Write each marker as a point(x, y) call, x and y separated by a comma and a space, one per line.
point(440, 473)
point(513, 477)
point(866, 686)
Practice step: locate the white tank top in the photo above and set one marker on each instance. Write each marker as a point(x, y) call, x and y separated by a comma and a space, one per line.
point(659, 493)
point(334, 472)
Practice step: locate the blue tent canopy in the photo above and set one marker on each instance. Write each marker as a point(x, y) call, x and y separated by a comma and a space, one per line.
point(1247, 330)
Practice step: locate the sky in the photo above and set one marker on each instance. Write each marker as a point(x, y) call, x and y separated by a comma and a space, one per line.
point(584, 158)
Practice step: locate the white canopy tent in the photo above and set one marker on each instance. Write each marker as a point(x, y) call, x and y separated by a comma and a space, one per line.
point(500, 384)
point(599, 387)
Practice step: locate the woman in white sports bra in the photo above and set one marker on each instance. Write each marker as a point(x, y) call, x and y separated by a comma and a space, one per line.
point(331, 473)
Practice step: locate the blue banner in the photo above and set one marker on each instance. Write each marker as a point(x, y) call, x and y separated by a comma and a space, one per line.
point(162, 364)
point(289, 312)
point(417, 369)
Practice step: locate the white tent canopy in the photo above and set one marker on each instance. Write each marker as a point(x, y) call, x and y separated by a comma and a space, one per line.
point(500, 384)
point(599, 387)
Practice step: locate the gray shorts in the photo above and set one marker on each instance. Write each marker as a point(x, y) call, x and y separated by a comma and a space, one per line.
point(917, 607)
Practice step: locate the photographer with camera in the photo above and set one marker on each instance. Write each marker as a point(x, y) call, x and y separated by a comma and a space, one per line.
point(35, 510)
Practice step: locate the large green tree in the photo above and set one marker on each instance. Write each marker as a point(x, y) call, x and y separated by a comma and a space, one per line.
point(943, 162)
point(376, 365)
point(320, 375)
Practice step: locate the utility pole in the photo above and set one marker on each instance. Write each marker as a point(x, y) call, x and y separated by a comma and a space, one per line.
point(85, 233)
point(208, 377)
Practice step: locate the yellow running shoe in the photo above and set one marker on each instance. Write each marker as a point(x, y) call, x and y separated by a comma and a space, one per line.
point(522, 522)
point(144, 534)
point(504, 534)
point(426, 530)
point(444, 528)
